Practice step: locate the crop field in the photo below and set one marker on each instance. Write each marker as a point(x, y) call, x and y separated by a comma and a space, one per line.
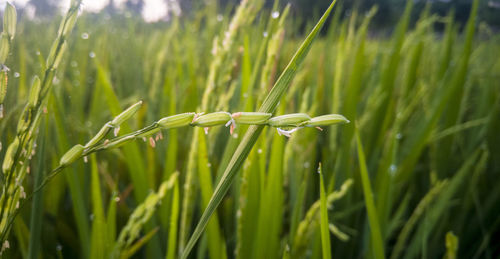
point(241, 132)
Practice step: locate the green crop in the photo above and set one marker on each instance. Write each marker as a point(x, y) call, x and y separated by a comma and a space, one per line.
point(203, 136)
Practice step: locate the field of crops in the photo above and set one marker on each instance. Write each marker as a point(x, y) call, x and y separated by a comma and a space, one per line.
point(406, 166)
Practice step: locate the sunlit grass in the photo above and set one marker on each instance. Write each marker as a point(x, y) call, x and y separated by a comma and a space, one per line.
point(413, 174)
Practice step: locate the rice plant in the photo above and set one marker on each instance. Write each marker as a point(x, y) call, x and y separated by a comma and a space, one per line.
point(236, 131)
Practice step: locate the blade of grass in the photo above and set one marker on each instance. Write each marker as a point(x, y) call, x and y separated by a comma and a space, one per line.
point(111, 223)
point(267, 242)
point(73, 180)
point(352, 98)
point(325, 233)
point(249, 200)
point(37, 205)
point(133, 157)
point(174, 218)
point(98, 236)
point(376, 234)
point(253, 132)
point(216, 244)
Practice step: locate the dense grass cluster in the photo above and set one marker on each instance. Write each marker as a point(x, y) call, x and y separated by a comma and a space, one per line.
point(415, 173)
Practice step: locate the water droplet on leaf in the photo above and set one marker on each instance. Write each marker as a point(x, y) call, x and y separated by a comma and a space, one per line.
point(306, 165)
point(392, 169)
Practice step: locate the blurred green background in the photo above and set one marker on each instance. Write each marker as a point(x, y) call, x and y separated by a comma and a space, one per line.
point(422, 86)
point(389, 10)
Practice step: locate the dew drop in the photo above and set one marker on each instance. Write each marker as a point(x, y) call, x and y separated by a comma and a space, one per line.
point(16, 74)
point(259, 151)
point(275, 14)
point(220, 17)
point(265, 34)
point(91, 217)
point(37, 53)
point(306, 165)
point(85, 35)
point(399, 136)
point(59, 247)
point(117, 199)
point(92, 54)
point(209, 165)
point(392, 169)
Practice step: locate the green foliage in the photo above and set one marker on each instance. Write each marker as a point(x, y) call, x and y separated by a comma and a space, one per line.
point(425, 104)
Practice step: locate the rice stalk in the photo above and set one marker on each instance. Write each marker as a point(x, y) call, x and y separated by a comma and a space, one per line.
point(6, 39)
point(269, 105)
point(15, 165)
point(308, 226)
point(221, 50)
point(139, 217)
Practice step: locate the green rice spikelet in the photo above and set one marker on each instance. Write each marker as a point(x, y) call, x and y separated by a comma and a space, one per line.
point(60, 54)
point(70, 23)
point(99, 136)
point(4, 47)
point(212, 119)
point(175, 121)
point(8, 160)
point(9, 20)
point(3, 84)
point(251, 118)
point(34, 92)
point(289, 120)
point(72, 155)
point(125, 115)
point(326, 120)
